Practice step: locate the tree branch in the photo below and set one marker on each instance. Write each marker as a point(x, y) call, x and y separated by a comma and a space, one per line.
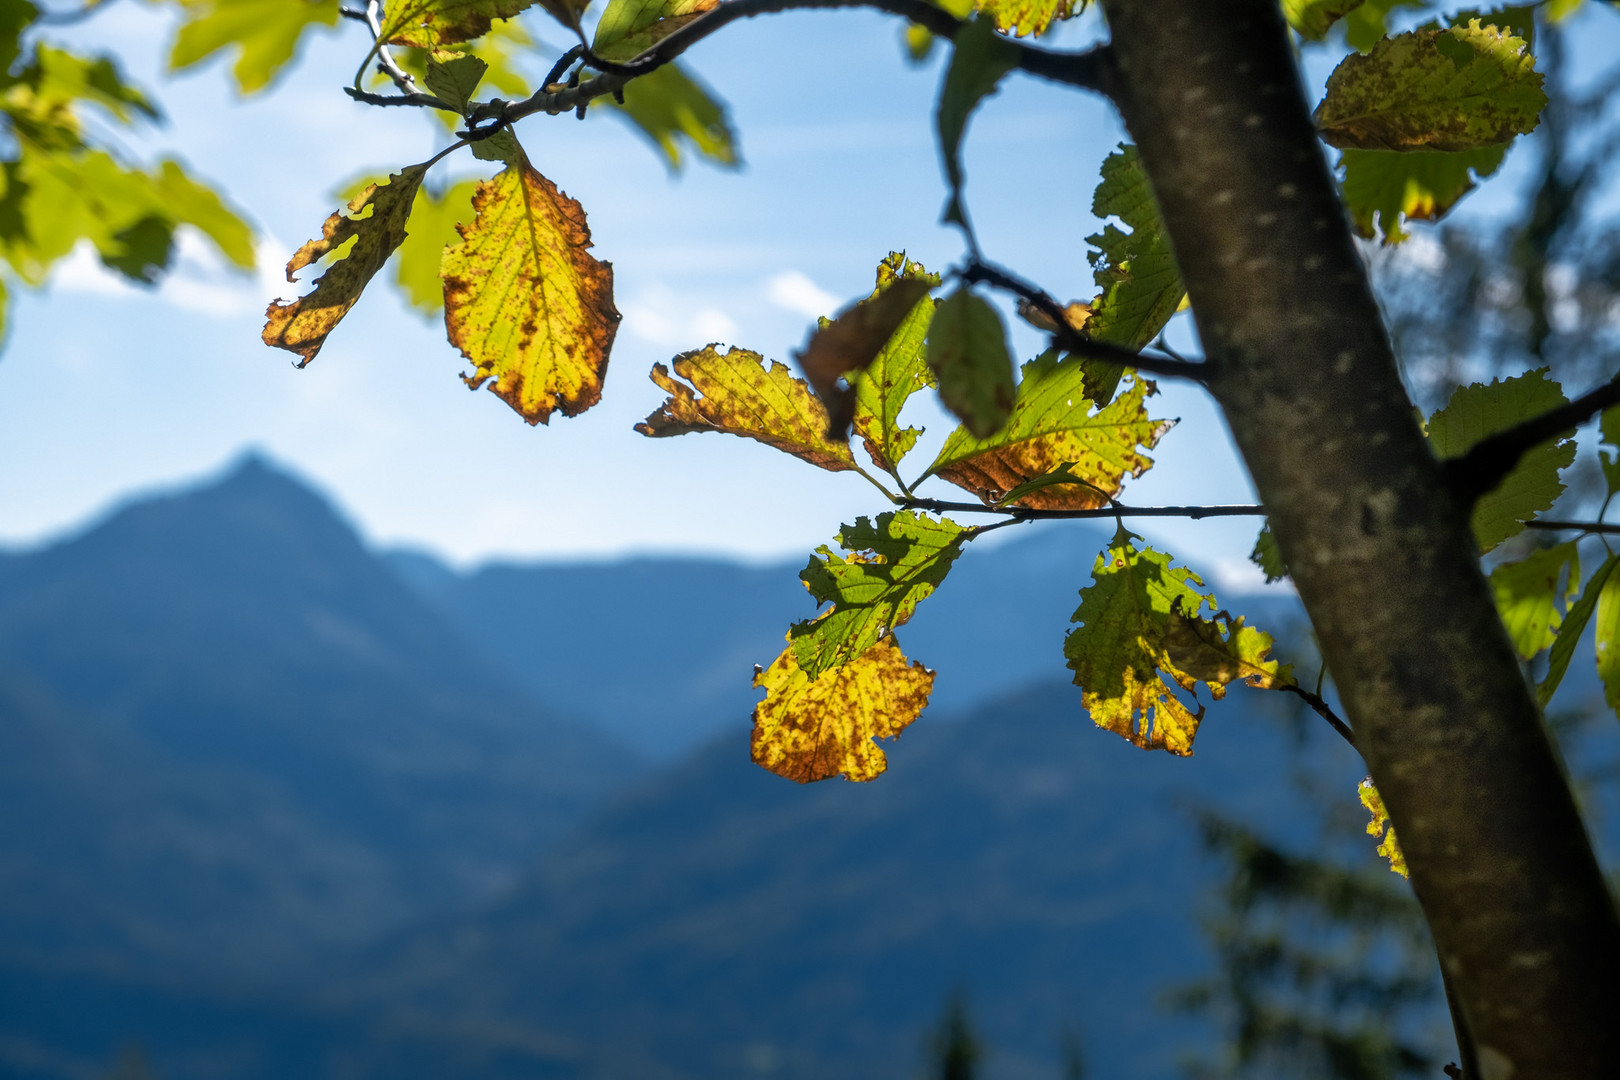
point(1067, 338)
point(1488, 462)
point(1321, 708)
point(1113, 510)
point(1594, 527)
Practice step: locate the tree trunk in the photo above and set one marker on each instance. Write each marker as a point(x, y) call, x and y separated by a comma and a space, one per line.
point(1380, 552)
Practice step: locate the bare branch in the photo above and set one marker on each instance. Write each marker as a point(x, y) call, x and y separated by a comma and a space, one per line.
point(1112, 510)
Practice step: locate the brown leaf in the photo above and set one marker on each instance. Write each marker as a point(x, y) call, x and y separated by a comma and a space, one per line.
point(376, 223)
point(850, 342)
point(814, 729)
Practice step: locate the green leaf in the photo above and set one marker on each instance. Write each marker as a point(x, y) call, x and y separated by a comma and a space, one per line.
point(1527, 595)
point(185, 201)
point(899, 370)
point(1569, 635)
point(501, 146)
point(967, 352)
point(734, 393)
point(62, 77)
point(1051, 425)
point(1609, 447)
point(1458, 88)
point(1312, 18)
point(1268, 556)
point(629, 28)
point(893, 566)
point(1136, 609)
point(1606, 641)
point(375, 226)
point(16, 16)
point(1389, 186)
point(432, 24)
point(432, 229)
point(1022, 17)
point(267, 33)
point(1477, 411)
point(810, 729)
point(674, 110)
point(524, 299)
point(1141, 286)
point(978, 62)
point(848, 343)
point(454, 79)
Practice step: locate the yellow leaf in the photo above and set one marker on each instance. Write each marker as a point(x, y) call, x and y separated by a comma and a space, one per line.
point(1021, 17)
point(741, 396)
point(376, 225)
point(1052, 425)
point(430, 24)
point(525, 301)
point(1390, 848)
point(1221, 650)
point(814, 729)
point(631, 27)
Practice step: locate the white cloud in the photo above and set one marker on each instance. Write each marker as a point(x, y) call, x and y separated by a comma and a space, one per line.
point(198, 280)
point(1240, 577)
point(797, 293)
point(671, 321)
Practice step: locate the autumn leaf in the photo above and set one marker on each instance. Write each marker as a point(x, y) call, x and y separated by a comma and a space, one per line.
point(1390, 848)
point(267, 34)
point(525, 301)
point(1477, 411)
point(1119, 652)
point(1022, 17)
point(434, 218)
point(1268, 556)
point(629, 28)
point(980, 59)
point(967, 352)
point(735, 393)
point(430, 24)
point(1221, 650)
point(1052, 424)
point(375, 224)
point(1457, 88)
point(675, 111)
point(1313, 18)
point(899, 370)
point(851, 340)
point(1527, 595)
point(1141, 285)
point(1569, 634)
point(814, 729)
point(893, 566)
point(1389, 186)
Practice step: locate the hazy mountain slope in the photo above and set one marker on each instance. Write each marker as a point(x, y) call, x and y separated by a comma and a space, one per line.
point(256, 739)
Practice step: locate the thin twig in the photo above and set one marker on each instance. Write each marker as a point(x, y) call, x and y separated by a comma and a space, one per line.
point(1112, 510)
point(1593, 527)
point(1322, 709)
point(564, 62)
point(1067, 338)
point(385, 59)
point(1489, 461)
point(422, 101)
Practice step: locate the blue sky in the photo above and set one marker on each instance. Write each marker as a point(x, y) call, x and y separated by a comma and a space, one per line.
point(106, 390)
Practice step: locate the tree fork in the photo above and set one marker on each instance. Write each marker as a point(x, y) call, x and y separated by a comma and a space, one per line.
point(1378, 547)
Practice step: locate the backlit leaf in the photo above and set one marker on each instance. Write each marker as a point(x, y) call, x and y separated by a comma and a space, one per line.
point(629, 28)
point(56, 76)
point(1222, 650)
point(978, 62)
point(1268, 556)
point(428, 24)
point(735, 393)
point(1609, 447)
point(454, 78)
point(675, 111)
point(1053, 424)
point(1533, 486)
point(525, 301)
point(846, 344)
point(266, 34)
point(1390, 186)
point(1458, 88)
point(1527, 595)
point(967, 352)
point(1021, 17)
point(1119, 652)
point(900, 369)
point(1141, 286)
point(1569, 635)
point(1312, 18)
point(1606, 641)
point(1390, 848)
point(375, 225)
point(433, 228)
point(893, 566)
point(814, 729)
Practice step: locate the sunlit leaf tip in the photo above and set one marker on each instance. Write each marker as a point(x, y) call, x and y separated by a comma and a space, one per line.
point(851, 341)
point(1311, 19)
point(1140, 282)
point(810, 729)
point(1528, 595)
point(900, 369)
point(735, 392)
point(375, 224)
point(524, 299)
point(893, 565)
point(1389, 847)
